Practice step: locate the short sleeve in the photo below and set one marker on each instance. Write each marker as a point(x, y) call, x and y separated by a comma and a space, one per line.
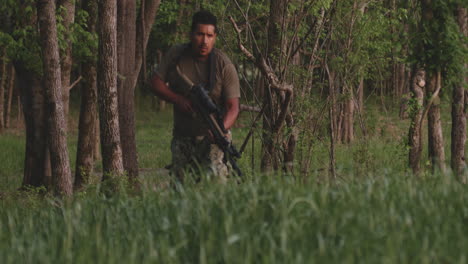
point(230, 82)
point(166, 61)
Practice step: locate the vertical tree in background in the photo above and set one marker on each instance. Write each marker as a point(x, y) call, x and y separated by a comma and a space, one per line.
point(68, 17)
point(275, 51)
point(87, 125)
point(52, 83)
point(416, 113)
point(132, 36)
point(11, 85)
point(3, 82)
point(458, 162)
point(107, 89)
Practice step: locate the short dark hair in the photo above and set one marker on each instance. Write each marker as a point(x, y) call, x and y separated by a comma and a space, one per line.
point(204, 17)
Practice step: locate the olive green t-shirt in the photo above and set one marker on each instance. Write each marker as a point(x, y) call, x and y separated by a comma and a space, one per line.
point(226, 84)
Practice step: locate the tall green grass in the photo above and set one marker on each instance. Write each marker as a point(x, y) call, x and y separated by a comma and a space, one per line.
point(389, 219)
point(12, 149)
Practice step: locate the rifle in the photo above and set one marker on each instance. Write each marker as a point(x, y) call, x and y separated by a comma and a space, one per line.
point(211, 114)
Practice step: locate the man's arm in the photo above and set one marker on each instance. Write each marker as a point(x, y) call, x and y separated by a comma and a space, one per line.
point(163, 92)
point(232, 111)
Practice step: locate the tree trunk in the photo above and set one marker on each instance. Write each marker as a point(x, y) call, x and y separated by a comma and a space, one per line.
point(33, 107)
point(414, 135)
point(51, 67)
point(133, 38)
point(66, 56)
point(269, 160)
point(458, 162)
point(126, 37)
point(435, 137)
point(290, 146)
point(87, 124)
point(107, 90)
point(3, 82)
point(347, 127)
point(11, 85)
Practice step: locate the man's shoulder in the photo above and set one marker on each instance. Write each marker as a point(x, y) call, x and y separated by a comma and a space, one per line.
point(221, 57)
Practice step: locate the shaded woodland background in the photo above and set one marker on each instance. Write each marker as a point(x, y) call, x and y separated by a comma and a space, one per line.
point(308, 71)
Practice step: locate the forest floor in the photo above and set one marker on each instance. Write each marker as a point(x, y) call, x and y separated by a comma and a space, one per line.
point(375, 211)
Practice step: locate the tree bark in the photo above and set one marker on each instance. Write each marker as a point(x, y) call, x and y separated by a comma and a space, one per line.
point(458, 162)
point(126, 37)
point(87, 124)
point(33, 108)
point(51, 67)
point(435, 137)
point(107, 90)
point(414, 135)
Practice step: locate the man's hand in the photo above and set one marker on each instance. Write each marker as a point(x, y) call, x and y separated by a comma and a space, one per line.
point(184, 105)
point(162, 91)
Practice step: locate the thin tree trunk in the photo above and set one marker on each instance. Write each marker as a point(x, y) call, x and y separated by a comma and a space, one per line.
point(347, 128)
point(3, 82)
point(97, 145)
point(290, 145)
point(275, 47)
point(360, 99)
point(126, 37)
point(107, 90)
point(435, 137)
point(66, 56)
point(51, 65)
point(11, 85)
point(414, 135)
point(87, 124)
point(331, 133)
point(458, 162)
point(19, 116)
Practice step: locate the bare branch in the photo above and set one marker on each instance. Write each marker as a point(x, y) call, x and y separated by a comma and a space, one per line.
point(267, 71)
point(74, 83)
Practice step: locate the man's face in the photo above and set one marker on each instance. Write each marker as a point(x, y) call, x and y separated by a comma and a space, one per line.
point(203, 39)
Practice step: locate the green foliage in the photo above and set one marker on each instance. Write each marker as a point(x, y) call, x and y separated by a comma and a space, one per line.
point(438, 42)
point(85, 43)
point(21, 37)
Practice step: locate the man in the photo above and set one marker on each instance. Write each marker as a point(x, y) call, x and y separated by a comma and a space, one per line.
point(192, 147)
